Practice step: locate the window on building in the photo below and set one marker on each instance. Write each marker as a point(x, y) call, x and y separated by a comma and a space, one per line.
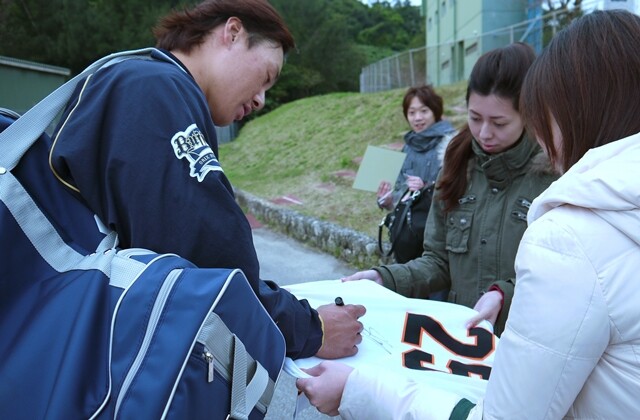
point(471, 49)
point(444, 7)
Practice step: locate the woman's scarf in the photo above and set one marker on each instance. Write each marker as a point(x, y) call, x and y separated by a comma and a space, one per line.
point(428, 138)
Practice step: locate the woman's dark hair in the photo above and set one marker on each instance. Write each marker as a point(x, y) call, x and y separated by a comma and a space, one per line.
point(183, 30)
point(498, 72)
point(427, 96)
point(587, 79)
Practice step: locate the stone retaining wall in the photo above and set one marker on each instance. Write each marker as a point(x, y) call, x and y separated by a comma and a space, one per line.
point(353, 247)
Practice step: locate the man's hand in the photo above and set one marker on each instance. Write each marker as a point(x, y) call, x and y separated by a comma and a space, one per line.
point(341, 330)
point(488, 307)
point(372, 275)
point(324, 390)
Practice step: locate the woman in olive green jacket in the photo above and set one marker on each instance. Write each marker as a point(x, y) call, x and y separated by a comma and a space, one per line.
point(491, 174)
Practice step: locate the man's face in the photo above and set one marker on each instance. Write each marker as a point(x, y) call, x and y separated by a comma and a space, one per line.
point(236, 85)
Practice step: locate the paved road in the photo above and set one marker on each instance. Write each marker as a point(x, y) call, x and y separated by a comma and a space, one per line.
point(287, 261)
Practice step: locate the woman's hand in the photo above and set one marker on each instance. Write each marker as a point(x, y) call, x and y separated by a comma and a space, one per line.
point(414, 183)
point(324, 390)
point(372, 275)
point(488, 306)
point(385, 199)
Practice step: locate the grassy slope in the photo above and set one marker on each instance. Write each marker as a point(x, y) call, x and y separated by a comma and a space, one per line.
point(299, 148)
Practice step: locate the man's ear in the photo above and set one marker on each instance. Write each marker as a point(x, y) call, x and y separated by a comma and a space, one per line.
point(233, 30)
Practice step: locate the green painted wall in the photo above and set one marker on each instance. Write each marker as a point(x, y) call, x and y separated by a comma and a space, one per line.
point(25, 83)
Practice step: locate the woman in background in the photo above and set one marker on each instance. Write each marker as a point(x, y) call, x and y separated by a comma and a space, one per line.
point(424, 146)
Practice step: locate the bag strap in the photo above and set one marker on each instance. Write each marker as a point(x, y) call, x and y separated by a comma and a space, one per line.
point(250, 381)
point(16, 139)
point(43, 235)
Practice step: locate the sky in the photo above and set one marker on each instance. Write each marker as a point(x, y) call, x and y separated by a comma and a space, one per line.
point(587, 2)
point(413, 2)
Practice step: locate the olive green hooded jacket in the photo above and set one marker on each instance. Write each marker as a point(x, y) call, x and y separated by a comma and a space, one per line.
point(473, 247)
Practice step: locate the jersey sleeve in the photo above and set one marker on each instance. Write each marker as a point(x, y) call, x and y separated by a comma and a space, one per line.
point(378, 394)
point(139, 146)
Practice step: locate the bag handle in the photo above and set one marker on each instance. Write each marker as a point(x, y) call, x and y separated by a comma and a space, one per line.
point(380, 248)
point(415, 195)
point(16, 139)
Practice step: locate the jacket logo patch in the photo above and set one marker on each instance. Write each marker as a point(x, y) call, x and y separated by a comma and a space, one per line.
point(191, 144)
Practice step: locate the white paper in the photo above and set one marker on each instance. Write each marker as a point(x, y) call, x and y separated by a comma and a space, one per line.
point(398, 331)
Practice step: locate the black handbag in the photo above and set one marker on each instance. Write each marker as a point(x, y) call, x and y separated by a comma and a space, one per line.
point(405, 225)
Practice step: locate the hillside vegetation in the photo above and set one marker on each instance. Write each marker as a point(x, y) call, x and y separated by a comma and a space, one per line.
point(306, 150)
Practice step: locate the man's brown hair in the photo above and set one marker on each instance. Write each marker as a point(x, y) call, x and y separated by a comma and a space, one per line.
point(183, 30)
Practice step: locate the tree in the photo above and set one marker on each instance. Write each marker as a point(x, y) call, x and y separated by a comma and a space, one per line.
point(73, 33)
point(562, 12)
point(334, 38)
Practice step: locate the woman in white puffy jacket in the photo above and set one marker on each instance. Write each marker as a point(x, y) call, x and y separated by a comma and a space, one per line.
point(571, 347)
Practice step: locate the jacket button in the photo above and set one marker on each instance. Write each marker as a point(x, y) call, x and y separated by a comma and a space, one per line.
point(483, 241)
point(494, 190)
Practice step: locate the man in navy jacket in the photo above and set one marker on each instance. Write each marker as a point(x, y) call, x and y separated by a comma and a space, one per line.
point(137, 143)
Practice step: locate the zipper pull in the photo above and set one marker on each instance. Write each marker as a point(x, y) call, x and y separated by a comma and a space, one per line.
point(525, 203)
point(208, 357)
point(467, 199)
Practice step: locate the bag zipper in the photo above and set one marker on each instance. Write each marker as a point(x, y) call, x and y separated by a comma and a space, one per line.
point(208, 358)
point(213, 366)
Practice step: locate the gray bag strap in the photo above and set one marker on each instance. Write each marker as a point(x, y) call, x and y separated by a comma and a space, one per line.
point(19, 136)
point(43, 235)
point(250, 381)
point(16, 139)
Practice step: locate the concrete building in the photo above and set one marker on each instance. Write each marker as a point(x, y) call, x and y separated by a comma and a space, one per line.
point(629, 5)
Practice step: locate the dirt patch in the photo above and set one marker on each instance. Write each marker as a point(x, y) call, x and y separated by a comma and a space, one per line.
point(395, 146)
point(253, 222)
point(348, 174)
point(328, 187)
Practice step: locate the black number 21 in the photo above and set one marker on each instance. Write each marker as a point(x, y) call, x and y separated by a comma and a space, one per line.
point(483, 346)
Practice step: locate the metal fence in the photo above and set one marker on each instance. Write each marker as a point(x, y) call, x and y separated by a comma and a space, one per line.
point(451, 61)
point(404, 69)
point(227, 133)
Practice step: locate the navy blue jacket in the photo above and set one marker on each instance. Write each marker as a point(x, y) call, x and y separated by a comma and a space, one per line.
point(138, 144)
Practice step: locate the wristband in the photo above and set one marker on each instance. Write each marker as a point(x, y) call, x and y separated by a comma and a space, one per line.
point(322, 329)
